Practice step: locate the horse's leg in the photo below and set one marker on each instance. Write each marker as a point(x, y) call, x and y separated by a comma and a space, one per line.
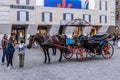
point(60, 55)
point(48, 56)
point(45, 55)
point(54, 51)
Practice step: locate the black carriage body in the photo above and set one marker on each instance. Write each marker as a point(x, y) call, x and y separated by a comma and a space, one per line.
point(98, 39)
point(95, 42)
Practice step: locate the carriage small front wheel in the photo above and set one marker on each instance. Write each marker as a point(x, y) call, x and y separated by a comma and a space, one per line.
point(81, 54)
point(67, 53)
point(92, 54)
point(107, 50)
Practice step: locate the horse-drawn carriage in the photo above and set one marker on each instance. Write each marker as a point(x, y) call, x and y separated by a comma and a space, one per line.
point(97, 44)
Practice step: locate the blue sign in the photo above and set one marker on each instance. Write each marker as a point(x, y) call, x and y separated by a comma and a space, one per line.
point(79, 4)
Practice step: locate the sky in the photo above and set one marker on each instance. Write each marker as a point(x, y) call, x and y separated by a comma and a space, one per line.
point(39, 2)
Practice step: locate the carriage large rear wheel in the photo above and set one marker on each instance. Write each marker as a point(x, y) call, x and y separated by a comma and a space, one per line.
point(67, 53)
point(107, 51)
point(81, 54)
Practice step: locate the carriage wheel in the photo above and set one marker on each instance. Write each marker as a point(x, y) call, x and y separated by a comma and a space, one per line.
point(81, 54)
point(107, 51)
point(67, 53)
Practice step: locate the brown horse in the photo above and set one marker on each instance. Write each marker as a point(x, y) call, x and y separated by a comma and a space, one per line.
point(47, 42)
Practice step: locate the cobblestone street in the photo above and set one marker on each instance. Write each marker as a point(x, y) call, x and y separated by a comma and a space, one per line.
point(96, 68)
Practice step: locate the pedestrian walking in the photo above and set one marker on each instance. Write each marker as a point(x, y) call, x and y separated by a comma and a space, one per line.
point(10, 52)
point(4, 43)
point(21, 53)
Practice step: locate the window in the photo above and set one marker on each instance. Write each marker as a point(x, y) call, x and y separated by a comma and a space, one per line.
point(22, 16)
point(47, 17)
point(103, 5)
point(87, 17)
point(103, 19)
point(117, 14)
point(117, 2)
point(17, 1)
point(67, 16)
point(27, 2)
point(22, 2)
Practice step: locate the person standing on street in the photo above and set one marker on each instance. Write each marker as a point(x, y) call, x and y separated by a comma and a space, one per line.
point(4, 43)
point(21, 53)
point(10, 52)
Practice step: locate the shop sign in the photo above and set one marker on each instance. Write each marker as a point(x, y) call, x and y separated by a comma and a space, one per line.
point(22, 7)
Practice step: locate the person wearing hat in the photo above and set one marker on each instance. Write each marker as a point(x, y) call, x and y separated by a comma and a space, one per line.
point(4, 43)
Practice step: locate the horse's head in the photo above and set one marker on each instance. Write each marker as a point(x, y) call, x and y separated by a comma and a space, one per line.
point(31, 41)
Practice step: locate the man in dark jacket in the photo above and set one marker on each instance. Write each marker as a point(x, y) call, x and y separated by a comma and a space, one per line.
point(4, 47)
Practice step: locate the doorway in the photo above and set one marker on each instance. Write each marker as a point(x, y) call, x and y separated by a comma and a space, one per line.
point(43, 29)
point(19, 33)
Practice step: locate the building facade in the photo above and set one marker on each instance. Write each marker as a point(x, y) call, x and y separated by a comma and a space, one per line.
point(21, 18)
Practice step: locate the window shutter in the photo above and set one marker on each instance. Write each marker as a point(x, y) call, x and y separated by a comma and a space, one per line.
point(50, 17)
point(105, 19)
point(100, 19)
point(89, 18)
point(64, 16)
point(17, 1)
point(18, 15)
point(100, 5)
point(43, 17)
point(83, 17)
point(27, 16)
point(27, 2)
point(72, 16)
point(105, 5)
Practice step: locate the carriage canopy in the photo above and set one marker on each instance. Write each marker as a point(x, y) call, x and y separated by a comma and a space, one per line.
point(78, 22)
